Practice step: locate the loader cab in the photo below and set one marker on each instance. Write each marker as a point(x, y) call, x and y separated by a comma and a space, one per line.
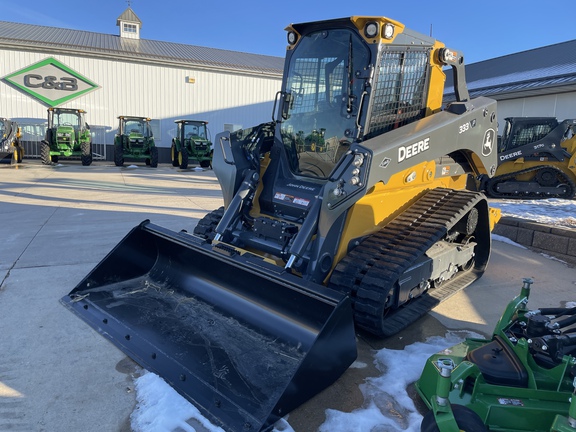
point(519, 131)
point(325, 82)
point(349, 81)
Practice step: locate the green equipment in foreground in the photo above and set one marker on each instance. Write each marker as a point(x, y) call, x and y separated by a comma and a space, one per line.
point(135, 140)
point(67, 135)
point(192, 143)
point(11, 151)
point(522, 379)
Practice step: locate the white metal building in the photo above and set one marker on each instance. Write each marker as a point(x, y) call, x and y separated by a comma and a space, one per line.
point(540, 82)
point(112, 75)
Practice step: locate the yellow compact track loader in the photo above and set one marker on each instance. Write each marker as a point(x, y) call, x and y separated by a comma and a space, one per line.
point(352, 206)
point(11, 150)
point(536, 159)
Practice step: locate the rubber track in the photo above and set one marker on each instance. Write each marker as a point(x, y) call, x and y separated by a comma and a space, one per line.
point(371, 270)
point(206, 226)
point(490, 191)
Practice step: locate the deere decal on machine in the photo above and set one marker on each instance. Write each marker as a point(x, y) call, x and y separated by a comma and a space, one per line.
point(350, 208)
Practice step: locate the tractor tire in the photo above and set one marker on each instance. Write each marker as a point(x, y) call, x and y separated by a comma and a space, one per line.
point(183, 158)
point(174, 155)
point(206, 226)
point(466, 420)
point(86, 154)
point(45, 153)
point(154, 157)
point(118, 155)
point(205, 164)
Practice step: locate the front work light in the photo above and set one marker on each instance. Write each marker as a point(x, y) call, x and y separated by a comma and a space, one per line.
point(371, 29)
point(388, 31)
point(292, 38)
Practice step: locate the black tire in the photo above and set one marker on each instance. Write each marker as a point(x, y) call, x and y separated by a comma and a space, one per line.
point(466, 420)
point(118, 155)
point(45, 153)
point(205, 163)
point(206, 226)
point(174, 155)
point(154, 157)
point(55, 158)
point(86, 153)
point(183, 158)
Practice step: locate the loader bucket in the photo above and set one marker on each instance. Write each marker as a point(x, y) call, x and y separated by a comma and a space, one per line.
point(243, 340)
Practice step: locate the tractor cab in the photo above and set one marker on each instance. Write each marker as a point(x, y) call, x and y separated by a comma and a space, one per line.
point(192, 142)
point(135, 140)
point(135, 131)
point(67, 135)
point(67, 126)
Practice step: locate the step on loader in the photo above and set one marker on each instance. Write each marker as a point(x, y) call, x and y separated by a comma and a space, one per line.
point(67, 135)
point(536, 159)
point(11, 150)
point(191, 143)
point(135, 140)
point(353, 209)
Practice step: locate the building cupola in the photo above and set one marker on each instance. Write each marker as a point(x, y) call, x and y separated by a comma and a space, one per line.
point(129, 24)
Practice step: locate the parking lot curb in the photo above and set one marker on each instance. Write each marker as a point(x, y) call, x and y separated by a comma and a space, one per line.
point(556, 241)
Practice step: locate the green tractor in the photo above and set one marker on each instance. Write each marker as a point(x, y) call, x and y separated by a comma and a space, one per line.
point(135, 140)
point(67, 135)
point(192, 142)
point(522, 379)
point(11, 151)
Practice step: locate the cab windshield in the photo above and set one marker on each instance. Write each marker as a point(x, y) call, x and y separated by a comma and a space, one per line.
point(66, 119)
point(137, 127)
point(324, 90)
point(195, 131)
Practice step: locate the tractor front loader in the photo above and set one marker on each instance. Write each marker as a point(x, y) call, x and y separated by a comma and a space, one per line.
point(352, 207)
point(135, 140)
point(192, 143)
point(67, 135)
point(536, 159)
point(11, 150)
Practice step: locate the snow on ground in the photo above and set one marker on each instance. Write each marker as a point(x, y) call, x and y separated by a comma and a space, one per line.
point(553, 211)
point(387, 405)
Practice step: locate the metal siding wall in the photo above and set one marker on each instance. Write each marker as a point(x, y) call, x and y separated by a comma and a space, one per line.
point(560, 105)
point(146, 90)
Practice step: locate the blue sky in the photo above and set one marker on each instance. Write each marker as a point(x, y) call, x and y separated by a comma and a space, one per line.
point(481, 30)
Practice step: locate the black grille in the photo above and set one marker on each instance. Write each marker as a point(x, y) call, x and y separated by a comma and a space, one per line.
point(399, 95)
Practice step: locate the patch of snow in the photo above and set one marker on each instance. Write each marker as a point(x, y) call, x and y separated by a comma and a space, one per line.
point(507, 240)
point(387, 405)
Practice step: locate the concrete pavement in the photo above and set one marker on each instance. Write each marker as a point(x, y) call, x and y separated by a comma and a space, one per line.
point(57, 374)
